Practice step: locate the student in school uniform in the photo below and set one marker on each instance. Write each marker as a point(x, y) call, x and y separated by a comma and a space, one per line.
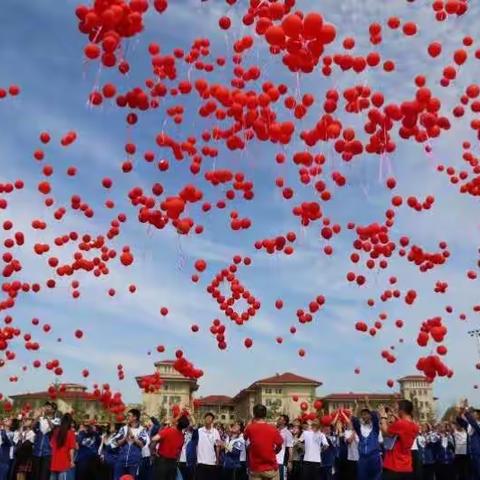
point(460, 463)
point(284, 457)
point(5, 448)
point(314, 441)
point(425, 444)
point(341, 462)
point(46, 421)
point(87, 461)
point(444, 450)
point(183, 466)
point(367, 429)
point(243, 454)
point(351, 439)
point(470, 420)
point(129, 440)
point(298, 451)
point(329, 454)
point(233, 447)
point(23, 440)
point(109, 451)
point(208, 441)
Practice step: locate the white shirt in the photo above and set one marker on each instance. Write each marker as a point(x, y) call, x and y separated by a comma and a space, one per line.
point(460, 437)
point(352, 450)
point(187, 436)
point(313, 445)
point(366, 430)
point(207, 439)
point(243, 453)
point(287, 443)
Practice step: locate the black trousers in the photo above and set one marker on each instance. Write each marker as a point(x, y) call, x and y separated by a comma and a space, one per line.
point(312, 471)
point(185, 471)
point(88, 469)
point(232, 474)
point(460, 467)
point(206, 472)
point(41, 468)
point(389, 475)
point(164, 469)
point(444, 471)
point(351, 470)
point(428, 472)
point(296, 473)
point(417, 465)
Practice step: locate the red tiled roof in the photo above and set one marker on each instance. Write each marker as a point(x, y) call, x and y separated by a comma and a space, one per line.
point(287, 377)
point(361, 396)
point(215, 400)
point(62, 395)
point(418, 378)
point(279, 379)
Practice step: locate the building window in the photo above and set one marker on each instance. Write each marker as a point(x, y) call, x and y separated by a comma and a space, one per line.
point(165, 387)
point(268, 390)
point(165, 399)
point(278, 390)
point(268, 403)
point(223, 417)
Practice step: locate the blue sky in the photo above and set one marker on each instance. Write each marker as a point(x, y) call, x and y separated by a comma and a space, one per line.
point(41, 50)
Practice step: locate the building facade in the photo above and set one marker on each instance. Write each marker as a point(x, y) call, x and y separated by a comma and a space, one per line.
point(175, 390)
point(281, 394)
point(353, 401)
point(70, 398)
point(221, 406)
point(419, 390)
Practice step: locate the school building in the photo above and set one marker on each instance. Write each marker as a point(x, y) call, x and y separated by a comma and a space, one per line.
point(281, 393)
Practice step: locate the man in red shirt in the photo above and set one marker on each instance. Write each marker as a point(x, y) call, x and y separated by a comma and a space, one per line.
point(397, 464)
point(170, 443)
point(265, 442)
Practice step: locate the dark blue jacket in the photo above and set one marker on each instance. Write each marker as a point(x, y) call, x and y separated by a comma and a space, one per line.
point(129, 454)
point(473, 440)
point(330, 453)
point(41, 444)
point(444, 455)
point(192, 449)
point(428, 450)
point(88, 445)
point(369, 445)
point(231, 459)
point(5, 447)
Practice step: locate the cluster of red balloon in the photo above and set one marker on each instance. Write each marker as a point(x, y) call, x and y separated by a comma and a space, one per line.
point(278, 244)
point(432, 366)
point(151, 383)
point(445, 8)
point(111, 402)
point(426, 261)
point(302, 38)
point(186, 368)
point(107, 24)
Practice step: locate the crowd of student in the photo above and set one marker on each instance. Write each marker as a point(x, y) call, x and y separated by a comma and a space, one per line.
point(383, 444)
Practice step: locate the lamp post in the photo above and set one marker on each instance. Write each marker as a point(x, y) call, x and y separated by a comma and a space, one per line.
point(475, 334)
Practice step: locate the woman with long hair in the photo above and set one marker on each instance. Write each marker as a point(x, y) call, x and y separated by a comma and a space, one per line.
point(63, 449)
